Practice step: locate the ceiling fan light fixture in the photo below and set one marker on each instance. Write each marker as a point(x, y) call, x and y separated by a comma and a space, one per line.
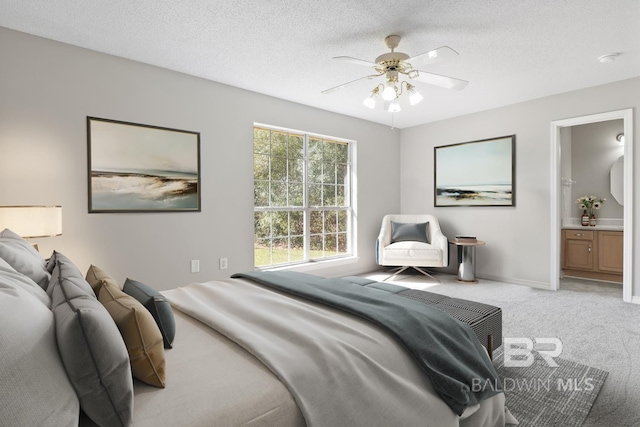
point(389, 93)
point(414, 96)
point(397, 69)
point(394, 107)
point(370, 101)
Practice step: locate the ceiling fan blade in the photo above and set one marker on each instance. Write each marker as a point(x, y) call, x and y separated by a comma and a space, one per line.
point(342, 86)
point(438, 80)
point(356, 61)
point(433, 56)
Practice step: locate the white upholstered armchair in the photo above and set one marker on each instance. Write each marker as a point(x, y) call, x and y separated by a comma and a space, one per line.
point(406, 242)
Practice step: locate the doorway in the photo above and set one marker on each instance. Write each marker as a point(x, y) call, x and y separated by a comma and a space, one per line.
point(556, 193)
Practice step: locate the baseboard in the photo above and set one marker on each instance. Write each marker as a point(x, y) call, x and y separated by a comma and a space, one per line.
point(635, 300)
point(592, 275)
point(515, 281)
point(316, 267)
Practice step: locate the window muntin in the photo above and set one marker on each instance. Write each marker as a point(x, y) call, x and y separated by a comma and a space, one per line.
point(302, 197)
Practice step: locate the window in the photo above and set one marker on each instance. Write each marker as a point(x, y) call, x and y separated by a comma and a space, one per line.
point(302, 197)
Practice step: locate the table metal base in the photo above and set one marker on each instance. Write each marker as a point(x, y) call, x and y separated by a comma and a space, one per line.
point(466, 264)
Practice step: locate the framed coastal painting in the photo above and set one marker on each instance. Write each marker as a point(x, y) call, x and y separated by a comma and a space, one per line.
point(142, 168)
point(475, 173)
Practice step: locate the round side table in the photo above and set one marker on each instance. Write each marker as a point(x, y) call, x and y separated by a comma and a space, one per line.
point(467, 260)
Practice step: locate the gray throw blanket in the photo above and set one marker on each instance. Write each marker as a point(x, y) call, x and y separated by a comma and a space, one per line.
point(447, 350)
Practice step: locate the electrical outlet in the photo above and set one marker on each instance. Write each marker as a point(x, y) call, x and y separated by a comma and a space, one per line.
point(223, 263)
point(195, 265)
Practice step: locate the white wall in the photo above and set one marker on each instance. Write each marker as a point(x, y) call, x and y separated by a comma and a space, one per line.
point(46, 91)
point(594, 149)
point(518, 238)
point(566, 174)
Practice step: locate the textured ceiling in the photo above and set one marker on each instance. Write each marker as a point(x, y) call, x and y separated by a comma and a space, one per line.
point(510, 51)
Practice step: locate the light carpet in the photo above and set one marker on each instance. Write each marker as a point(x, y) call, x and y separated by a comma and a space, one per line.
point(544, 396)
point(596, 330)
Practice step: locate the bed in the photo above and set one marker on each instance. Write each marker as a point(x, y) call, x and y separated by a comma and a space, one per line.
point(277, 370)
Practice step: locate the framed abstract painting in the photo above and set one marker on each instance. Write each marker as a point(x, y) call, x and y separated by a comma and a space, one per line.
point(142, 168)
point(475, 173)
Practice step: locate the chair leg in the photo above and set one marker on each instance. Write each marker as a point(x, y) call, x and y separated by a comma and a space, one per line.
point(398, 271)
point(401, 269)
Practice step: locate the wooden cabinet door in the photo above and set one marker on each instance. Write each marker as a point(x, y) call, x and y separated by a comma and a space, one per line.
point(610, 251)
point(578, 254)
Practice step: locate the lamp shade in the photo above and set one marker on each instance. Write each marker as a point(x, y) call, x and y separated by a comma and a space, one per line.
point(32, 221)
point(414, 97)
point(394, 107)
point(370, 101)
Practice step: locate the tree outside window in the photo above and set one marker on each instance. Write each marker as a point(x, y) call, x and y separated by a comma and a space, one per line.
point(302, 197)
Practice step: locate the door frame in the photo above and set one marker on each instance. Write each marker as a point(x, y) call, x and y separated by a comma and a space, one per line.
point(556, 222)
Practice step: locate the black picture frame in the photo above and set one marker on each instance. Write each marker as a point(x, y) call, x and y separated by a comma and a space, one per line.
point(142, 168)
point(475, 173)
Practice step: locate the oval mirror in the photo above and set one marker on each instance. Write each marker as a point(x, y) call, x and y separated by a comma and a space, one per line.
point(617, 180)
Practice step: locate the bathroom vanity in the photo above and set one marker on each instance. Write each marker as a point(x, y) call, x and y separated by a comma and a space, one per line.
point(593, 252)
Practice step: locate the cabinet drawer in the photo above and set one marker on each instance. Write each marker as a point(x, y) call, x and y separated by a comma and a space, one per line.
point(579, 234)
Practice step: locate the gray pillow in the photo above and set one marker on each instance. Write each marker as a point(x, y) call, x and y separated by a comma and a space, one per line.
point(91, 348)
point(9, 276)
point(401, 232)
point(71, 267)
point(34, 387)
point(23, 257)
point(157, 305)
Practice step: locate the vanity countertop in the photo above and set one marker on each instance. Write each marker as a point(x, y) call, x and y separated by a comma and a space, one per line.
point(596, 227)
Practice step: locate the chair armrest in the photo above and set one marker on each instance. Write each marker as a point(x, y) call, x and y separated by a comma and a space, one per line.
point(441, 242)
point(384, 238)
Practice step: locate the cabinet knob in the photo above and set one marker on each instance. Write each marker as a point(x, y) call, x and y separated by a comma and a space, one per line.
point(589, 248)
point(578, 234)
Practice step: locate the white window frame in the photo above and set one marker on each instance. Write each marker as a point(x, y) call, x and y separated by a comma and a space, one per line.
point(349, 198)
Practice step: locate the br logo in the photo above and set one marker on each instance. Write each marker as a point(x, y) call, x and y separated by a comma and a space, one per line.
point(520, 352)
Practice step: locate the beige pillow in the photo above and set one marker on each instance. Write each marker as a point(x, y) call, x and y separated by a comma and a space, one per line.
point(138, 328)
point(94, 278)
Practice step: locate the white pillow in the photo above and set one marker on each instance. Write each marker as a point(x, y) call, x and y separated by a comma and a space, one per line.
point(34, 387)
point(23, 257)
point(9, 276)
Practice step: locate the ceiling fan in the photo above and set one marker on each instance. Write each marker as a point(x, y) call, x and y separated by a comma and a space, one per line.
point(395, 65)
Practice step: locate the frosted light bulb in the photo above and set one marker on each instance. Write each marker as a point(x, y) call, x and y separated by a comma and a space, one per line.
point(389, 93)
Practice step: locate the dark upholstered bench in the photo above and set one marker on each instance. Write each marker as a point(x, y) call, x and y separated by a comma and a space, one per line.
point(485, 320)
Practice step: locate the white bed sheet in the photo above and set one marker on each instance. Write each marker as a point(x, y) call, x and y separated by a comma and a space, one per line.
point(212, 381)
point(259, 320)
